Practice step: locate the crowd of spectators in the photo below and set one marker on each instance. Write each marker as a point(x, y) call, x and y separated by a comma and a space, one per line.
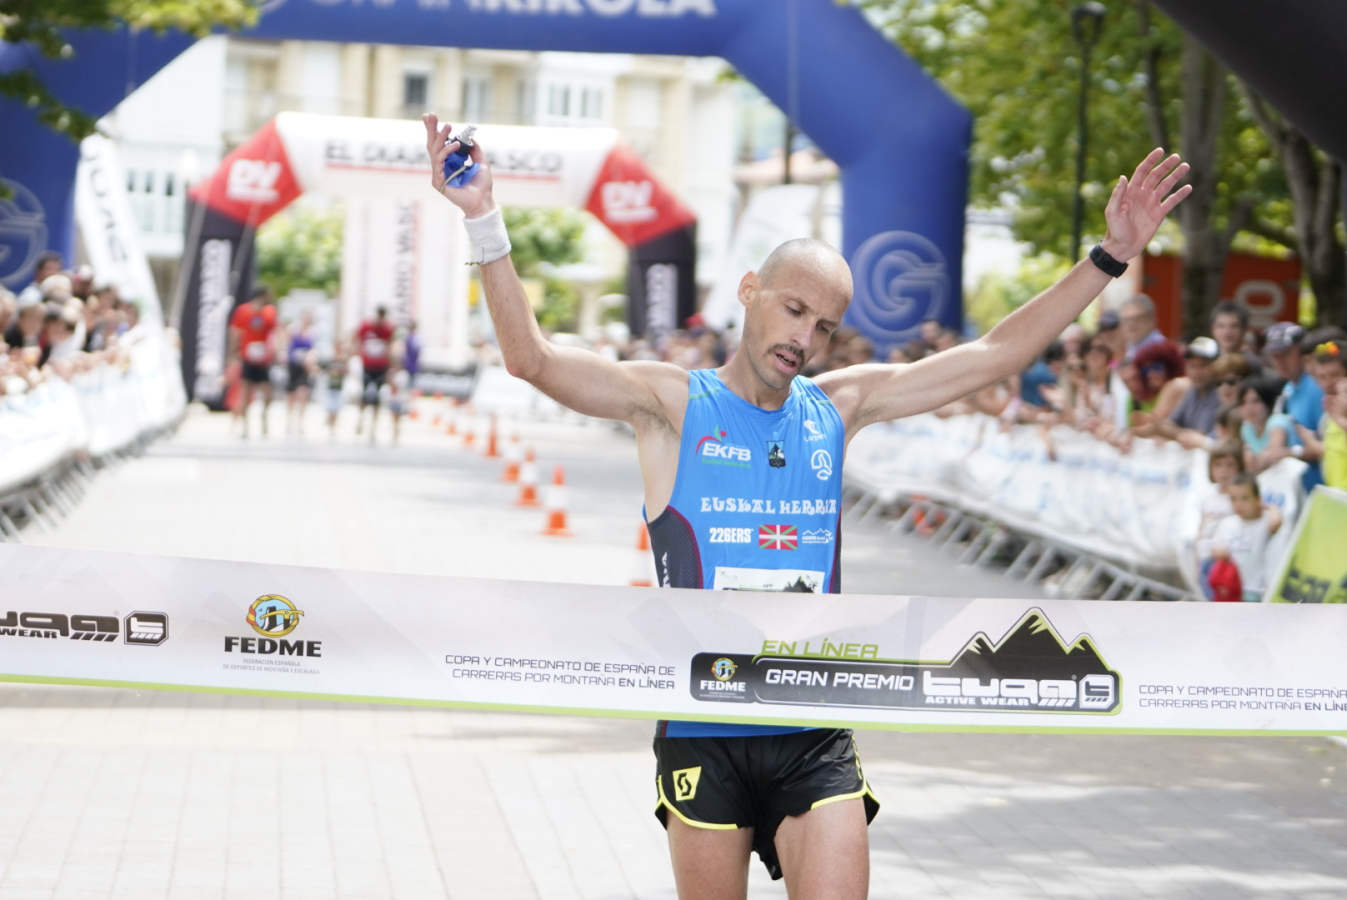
point(1250, 397)
point(63, 323)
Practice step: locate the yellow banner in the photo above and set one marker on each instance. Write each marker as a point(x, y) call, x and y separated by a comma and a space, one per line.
point(1315, 571)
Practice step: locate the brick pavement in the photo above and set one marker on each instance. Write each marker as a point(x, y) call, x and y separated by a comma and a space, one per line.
point(109, 793)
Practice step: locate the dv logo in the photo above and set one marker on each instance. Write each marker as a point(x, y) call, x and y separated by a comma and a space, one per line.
point(253, 181)
point(628, 201)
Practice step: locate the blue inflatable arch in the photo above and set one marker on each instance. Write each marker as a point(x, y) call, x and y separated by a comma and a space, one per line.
point(901, 142)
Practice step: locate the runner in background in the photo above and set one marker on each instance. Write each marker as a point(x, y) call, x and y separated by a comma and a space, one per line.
point(375, 340)
point(333, 384)
point(251, 336)
point(300, 365)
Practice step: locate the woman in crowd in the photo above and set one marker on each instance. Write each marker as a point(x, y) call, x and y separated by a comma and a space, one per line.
point(1264, 433)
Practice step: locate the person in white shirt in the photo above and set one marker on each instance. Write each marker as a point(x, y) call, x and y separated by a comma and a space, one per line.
point(1243, 536)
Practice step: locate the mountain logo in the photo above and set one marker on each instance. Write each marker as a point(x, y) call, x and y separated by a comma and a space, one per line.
point(1031, 669)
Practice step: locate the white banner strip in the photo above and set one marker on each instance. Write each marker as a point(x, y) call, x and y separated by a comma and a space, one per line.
point(124, 620)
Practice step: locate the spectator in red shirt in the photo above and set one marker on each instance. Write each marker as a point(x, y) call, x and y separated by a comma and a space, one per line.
point(251, 335)
point(375, 341)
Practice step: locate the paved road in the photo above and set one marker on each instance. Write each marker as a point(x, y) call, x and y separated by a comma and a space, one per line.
point(108, 793)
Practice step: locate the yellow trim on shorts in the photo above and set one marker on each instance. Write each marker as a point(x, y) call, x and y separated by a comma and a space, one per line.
point(664, 802)
point(863, 792)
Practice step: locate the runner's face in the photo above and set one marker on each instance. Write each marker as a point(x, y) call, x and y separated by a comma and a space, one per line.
point(791, 320)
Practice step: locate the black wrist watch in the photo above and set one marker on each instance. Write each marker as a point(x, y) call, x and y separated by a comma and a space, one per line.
point(1106, 263)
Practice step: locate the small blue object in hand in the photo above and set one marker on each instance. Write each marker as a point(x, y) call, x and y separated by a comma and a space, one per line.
point(459, 168)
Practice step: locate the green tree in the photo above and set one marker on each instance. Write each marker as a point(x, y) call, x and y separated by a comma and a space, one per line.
point(1016, 66)
point(41, 23)
point(548, 236)
point(301, 248)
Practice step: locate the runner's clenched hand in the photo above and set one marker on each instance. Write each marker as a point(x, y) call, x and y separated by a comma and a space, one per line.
point(474, 198)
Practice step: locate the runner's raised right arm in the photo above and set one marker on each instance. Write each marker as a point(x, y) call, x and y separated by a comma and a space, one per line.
point(579, 379)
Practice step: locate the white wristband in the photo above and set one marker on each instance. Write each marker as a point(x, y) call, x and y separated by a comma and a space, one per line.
point(488, 238)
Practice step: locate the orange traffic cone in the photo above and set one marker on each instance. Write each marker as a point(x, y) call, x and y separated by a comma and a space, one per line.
point(643, 566)
point(528, 481)
point(556, 506)
point(513, 456)
point(492, 451)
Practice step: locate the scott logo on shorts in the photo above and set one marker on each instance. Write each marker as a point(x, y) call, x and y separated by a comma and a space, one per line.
point(685, 782)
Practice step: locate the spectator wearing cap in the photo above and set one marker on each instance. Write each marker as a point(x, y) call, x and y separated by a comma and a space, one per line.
point(1110, 333)
point(1302, 399)
point(1138, 325)
point(1047, 370)
point(1328, 443)
point(1201, 402)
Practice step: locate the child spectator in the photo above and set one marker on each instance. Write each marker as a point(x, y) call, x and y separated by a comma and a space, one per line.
point(1224, 463)
point(1243, 536)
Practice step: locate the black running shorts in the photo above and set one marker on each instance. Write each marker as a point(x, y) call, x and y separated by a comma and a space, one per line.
point(755, 782)
point(373, 380)
point(256, 373)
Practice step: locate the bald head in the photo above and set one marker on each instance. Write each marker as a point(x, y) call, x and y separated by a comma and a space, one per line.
point(807, 257)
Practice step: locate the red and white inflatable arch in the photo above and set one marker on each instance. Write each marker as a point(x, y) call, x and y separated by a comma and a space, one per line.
point(402, 246)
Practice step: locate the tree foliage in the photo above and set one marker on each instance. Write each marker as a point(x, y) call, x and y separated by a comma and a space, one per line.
point(1016, 65)
point(42, 23)
point(301, 248)
point(552, 236)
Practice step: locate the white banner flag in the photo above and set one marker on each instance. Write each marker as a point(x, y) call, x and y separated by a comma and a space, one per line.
point(111, 236)
point(859, 661)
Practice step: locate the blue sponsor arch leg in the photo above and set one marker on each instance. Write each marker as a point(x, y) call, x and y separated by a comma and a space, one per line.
point(900, 141)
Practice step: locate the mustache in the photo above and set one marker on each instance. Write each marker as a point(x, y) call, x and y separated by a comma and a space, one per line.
point(788, 350)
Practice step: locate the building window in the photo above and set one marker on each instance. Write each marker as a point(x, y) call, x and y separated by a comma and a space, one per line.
point(591, 103)
point(559, 100)
point(476, 98)
point(525, 96)
point(416, 90)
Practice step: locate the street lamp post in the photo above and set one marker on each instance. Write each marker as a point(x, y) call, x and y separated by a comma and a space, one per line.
point(1086, 21)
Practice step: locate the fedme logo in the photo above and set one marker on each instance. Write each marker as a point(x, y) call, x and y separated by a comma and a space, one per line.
point(253, 180)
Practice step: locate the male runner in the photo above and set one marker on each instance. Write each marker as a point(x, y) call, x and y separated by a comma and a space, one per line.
point(250, 332)
point(375, 340)
point(709, 442)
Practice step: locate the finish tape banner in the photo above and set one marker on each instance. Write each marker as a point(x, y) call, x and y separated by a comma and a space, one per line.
point(905, 663)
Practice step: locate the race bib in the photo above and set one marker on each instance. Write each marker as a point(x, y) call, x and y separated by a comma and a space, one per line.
point(256, 352)
point(375, 348)
point(733, 578)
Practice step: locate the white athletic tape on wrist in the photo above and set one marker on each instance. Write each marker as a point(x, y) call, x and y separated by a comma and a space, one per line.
point(488, 238)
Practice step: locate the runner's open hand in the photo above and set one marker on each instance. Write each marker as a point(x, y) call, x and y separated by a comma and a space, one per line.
point(1137, 206)
point(474, 198)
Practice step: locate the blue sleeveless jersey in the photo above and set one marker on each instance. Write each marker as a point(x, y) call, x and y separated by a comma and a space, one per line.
point(756, 503)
